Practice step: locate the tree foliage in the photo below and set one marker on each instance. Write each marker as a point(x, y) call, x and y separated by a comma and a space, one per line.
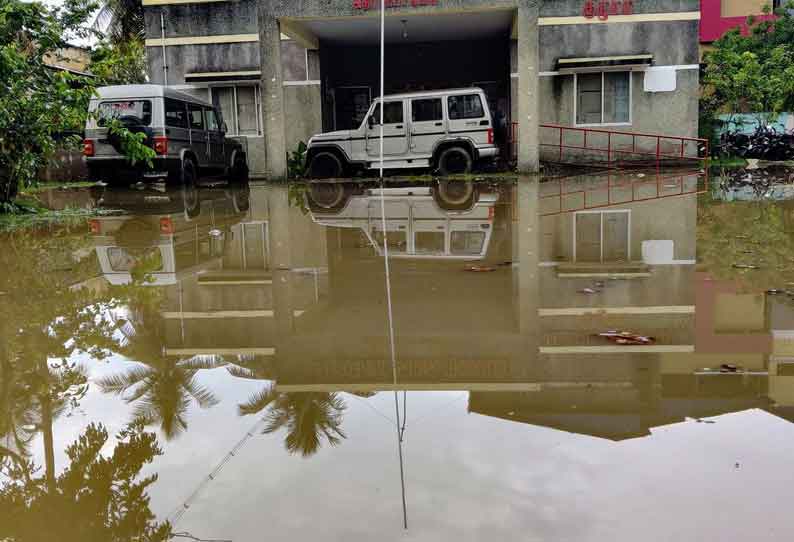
point(37, 103)
point(752, 72)
point(94, 498)
point(119, 63)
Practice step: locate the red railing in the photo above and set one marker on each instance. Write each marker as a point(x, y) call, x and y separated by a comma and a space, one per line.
point(582, 192)
point(595, 142)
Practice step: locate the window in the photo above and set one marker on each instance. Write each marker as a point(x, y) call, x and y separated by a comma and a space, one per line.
point(429, 242)
point(395, 240)
point(392, 113)
point(239, 107)
point(196, 117)
point(426, 110)
point(175, 113)
point(603, 98)
point(467, 242)
point(129, 112)
point(212, 121)
point(246, 108)
point(465, 107)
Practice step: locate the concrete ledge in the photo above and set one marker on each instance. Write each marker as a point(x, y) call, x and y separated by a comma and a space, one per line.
point(265, 351)
point(449, 386)
point(584, 311)
point(616, 349)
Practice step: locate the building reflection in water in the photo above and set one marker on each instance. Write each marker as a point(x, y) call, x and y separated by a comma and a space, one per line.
point(500, 288)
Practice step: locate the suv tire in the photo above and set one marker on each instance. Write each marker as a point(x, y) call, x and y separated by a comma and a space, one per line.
point(454, 161)
point(239, 171)
point(325, 165)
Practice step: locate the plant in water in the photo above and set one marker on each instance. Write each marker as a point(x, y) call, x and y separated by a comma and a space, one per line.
point(296, 161)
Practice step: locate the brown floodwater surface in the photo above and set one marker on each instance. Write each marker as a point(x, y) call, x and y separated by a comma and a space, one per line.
point(584, 358)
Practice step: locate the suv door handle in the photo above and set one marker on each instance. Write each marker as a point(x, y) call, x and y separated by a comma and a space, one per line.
point(399, 127)
point(439, 124)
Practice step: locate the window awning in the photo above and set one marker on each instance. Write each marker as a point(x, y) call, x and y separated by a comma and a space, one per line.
point(247, 75)
point(603, 63)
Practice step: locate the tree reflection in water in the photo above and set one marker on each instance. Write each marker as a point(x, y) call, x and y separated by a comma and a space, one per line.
point(307, 417)
point(161, 387)
point(94, 498)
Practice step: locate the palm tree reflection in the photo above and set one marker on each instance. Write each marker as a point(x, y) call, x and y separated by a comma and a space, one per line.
point(162, 388)
point(308, 417)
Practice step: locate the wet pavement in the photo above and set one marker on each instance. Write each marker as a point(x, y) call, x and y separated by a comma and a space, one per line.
point(476, 387)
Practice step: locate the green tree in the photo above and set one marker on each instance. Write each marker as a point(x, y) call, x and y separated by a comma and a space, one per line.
point(94, 498)
point(752, 73)
point(307, 417)
point(37, 103)
point(119, 63)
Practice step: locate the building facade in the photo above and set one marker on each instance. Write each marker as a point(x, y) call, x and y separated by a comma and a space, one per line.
point(719, 16)
point(282, 71)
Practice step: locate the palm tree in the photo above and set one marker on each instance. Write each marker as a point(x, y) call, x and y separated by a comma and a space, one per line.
point(121, 20)
point(308, 417)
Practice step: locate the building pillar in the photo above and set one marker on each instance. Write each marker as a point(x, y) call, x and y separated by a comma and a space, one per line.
point(272, 94)
point(528, 92)
point(526, 253)
point(280, 261)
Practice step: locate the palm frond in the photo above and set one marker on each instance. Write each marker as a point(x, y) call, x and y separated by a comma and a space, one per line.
point(257, 402)
point(203, 396)
point(118, 383)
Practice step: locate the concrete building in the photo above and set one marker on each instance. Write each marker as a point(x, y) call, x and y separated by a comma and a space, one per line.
point(282, 71)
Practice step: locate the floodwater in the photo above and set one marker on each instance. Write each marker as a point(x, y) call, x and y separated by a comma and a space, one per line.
point(475, 388)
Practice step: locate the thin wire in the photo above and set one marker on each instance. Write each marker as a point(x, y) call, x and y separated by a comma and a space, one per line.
point(375, 410)
point(386, 257)
point(177, 514)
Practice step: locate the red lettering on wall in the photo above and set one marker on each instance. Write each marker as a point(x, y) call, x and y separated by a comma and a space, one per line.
point(390, 4)
point(604, 8)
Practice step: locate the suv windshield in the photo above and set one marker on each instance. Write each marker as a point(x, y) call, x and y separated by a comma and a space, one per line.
point(129, 112)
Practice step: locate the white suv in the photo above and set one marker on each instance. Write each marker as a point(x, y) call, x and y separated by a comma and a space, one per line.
point(445, 130)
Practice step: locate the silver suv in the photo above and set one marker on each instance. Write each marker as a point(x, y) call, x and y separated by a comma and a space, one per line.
point(188, 135)
point(444, 130)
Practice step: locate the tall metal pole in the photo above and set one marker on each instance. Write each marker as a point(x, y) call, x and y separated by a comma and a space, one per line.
point(386, 259)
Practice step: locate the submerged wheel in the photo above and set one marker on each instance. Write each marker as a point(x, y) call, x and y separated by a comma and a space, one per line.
point(327, 196)
point(455, 195)
point(190, 195)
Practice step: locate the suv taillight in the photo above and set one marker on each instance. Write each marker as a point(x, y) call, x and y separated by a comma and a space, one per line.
point(490, 136)
point(88, 147)
point(94, 226)
point(161, 145)
point(166, 226)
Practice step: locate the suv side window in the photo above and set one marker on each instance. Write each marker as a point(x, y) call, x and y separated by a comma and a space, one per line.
point(212, 120)
point(196, 117)
point(392, 113)
point(175, 113)
point(468, 106)
point(427, 109)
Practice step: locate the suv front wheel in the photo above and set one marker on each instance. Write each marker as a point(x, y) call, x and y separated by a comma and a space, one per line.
point(325, 165)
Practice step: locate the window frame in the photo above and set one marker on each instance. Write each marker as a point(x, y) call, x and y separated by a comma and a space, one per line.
point(439, 99)
point(601, 230)
point(233, 122)
point(185, 110)
point(482, 114)
point(593, 124)
point(196, 107)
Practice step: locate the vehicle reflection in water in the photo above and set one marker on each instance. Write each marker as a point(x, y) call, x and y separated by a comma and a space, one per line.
point(268, 304)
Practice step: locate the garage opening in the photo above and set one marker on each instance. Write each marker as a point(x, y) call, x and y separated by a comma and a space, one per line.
point(423, 52)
